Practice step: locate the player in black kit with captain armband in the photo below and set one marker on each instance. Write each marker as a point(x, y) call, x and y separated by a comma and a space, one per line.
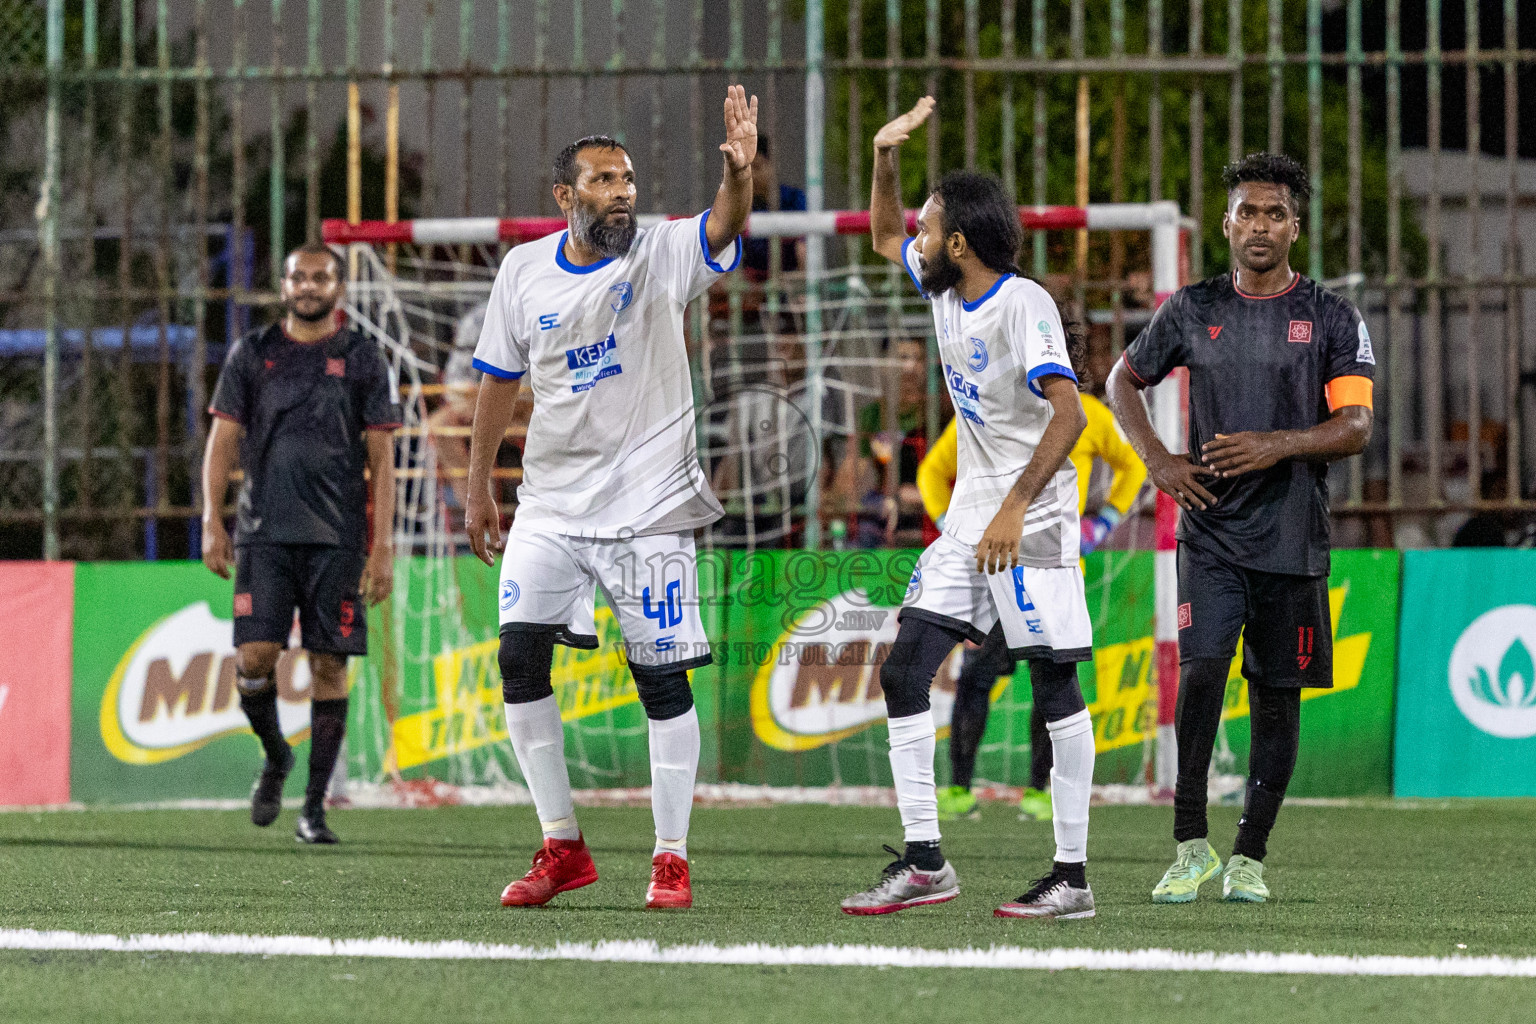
point(1280, 378)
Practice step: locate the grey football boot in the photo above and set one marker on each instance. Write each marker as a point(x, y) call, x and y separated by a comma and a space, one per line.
point(903, 885)
point(1051, 897)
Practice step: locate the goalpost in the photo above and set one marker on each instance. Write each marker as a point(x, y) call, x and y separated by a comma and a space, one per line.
point(418, 286)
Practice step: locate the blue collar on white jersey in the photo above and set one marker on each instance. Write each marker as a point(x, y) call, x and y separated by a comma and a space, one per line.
point(567, 265)
point(971, 307)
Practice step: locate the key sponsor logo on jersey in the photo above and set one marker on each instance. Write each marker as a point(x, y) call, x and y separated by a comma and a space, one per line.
point(549, 321)
point(966, 395)
point(591, 363)
point(1363, 353)
point(1186, 615)
point(335, 367)
point(820, 681)
point(1492, 675)
point(509, 594)
point(1214, 330)
point(977, 360)
point(622, 294)
point(173, 691)
point(1300, 332)
point(669, 613)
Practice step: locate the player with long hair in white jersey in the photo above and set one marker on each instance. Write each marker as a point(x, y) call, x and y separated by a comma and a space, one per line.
point(1009, 548)
point(612, 487)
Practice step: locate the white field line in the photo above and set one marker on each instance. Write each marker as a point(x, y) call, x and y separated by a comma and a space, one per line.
point(639, 951)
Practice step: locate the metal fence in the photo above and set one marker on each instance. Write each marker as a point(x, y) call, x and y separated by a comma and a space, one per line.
point(161, 157)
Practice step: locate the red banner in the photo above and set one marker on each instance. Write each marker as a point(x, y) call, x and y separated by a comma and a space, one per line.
point(37, 602)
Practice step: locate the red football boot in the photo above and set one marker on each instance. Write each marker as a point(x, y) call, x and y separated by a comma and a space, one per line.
point(669, 888)
point(559, 865)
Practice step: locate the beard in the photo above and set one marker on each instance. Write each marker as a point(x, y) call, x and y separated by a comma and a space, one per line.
point(607, 240)
point(940, 274)
point(312, 311)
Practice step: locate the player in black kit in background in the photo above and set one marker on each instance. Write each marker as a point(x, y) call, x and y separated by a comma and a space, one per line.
point(304, 405)
point(1280, 378)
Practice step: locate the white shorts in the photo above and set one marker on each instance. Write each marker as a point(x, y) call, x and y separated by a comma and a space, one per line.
point(651, 583)
point(1043, 611)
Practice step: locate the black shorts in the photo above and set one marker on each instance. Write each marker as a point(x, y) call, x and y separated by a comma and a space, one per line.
point(1283, 620)
point(271, 580)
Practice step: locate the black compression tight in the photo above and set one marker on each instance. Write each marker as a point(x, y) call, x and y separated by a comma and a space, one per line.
point(1276, 737)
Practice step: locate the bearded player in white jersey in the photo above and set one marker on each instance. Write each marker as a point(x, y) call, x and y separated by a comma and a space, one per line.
point(1009, 548)
point(612, 487)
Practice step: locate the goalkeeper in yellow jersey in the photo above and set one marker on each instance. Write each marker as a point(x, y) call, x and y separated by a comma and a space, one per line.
point(981, 666)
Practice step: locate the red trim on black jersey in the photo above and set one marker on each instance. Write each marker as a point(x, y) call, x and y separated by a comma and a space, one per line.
point(224, 416)
point(1124, 359)
point(1295, 280)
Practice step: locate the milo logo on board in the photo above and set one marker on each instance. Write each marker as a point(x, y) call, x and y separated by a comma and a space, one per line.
point(821, 680)
point(173, 691)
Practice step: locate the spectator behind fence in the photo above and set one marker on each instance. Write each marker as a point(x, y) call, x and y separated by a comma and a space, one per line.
point(885, 505)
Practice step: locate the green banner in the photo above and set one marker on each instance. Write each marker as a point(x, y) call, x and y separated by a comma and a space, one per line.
point(801, 703)
point(793, 698)
point(155, 712)
point(155, 715)
point(1466, 710)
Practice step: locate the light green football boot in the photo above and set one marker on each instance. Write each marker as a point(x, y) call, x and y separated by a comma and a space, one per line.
point(1035, 805)
point(1196, 864)
point(1243, 881)
point(957, 802)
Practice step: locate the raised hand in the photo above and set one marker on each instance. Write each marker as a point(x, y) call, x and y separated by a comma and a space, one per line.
point(896, 132)
point(740, 145)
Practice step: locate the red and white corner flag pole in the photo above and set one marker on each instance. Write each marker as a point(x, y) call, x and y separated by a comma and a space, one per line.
point(1168, 410)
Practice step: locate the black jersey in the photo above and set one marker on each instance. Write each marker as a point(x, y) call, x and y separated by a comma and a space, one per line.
point(304, 408)
point(1259, 363)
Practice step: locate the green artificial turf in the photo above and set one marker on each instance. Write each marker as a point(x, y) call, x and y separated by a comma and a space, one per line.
point(1422, 880)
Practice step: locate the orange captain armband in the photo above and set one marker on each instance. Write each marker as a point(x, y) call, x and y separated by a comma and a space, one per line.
point(1351, 390)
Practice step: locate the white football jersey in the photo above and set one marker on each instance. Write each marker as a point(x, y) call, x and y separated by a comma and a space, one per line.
point(611, 450)
point(993, 351)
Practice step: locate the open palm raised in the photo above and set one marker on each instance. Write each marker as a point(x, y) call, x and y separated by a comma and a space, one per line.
point(896, 132)
point(740, 144)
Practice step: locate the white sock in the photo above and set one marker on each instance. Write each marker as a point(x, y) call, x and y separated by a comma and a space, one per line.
point(1071, 784)
point(912, 742)
point(538, 740)
point(674, 766)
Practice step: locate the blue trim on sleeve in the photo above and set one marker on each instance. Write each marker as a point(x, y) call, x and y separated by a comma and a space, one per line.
point(1045, 370)
point(704, 244)
point(567, 265)
point(905, 263)
point(971, 307)
point(496, 371)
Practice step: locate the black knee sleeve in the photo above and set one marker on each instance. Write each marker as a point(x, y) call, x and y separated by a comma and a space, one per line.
point(525, 657)
point(1056, 690)
point(907, 672)
point(664, 691)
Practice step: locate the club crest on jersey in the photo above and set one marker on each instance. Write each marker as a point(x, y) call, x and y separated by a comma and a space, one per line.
point(1300, 332)
point(623, 294)
point(978, 357)
point(1363, 354)
point(966, 396)
point(591, 363)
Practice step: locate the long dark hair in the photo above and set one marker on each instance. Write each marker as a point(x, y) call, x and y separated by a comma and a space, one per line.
point(1075, 327)
point(977, 206)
